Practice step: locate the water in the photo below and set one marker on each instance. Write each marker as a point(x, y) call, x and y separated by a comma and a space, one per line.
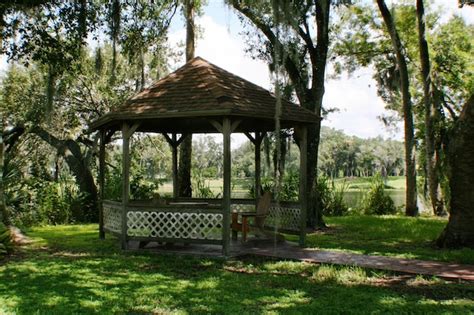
point(353, 197)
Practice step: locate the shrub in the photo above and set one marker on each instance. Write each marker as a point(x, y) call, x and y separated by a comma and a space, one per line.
point(289, 190)
point(53, 206)
point(266, 183)
point(142, 189)
point(331, 197)
point(376, 200)
point(6, 245)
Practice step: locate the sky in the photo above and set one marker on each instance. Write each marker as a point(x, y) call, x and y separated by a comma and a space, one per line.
point(355, 97)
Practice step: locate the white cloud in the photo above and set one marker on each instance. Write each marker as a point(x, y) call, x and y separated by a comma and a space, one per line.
point(359, 106)
point(225, 50)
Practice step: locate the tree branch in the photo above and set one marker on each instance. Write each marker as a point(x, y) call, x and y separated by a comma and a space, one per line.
point(290, 66)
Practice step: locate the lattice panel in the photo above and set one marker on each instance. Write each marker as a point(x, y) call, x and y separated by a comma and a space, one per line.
point(113, 218)
point(287, 218)
point(175, 225)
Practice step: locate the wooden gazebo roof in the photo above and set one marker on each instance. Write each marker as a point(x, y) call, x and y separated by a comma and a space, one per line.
point(187, 99)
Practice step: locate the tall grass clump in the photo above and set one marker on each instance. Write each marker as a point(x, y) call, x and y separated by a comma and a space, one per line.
point(332, 197)
point(376, 200)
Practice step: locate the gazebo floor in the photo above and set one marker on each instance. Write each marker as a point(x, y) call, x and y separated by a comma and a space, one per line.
point(237, 247)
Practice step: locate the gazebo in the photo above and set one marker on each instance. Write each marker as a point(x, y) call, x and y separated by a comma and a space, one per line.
point(199, 97)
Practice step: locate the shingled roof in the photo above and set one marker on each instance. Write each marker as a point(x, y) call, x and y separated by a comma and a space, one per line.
point(188, 98)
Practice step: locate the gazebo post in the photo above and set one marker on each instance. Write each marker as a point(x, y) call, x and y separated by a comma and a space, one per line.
point(257, 141)
point(174, 149)
point(174, 143)
point(125, 182)
point(258, 166)
point(226, 131)
point(303, 184)
point(127, 133)
point(101, 183)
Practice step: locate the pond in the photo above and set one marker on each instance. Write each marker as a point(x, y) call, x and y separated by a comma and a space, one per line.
point(353, 197)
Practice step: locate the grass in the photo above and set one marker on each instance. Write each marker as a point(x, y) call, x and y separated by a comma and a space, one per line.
point(397, 236)
point(67, 270)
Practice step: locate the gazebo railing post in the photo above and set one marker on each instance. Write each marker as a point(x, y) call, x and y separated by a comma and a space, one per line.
point(101, 184)
point(226, 131)
point(125, 182)
point(127, 133)
point(258, 163)
point(257, 141)
point(303, 184)
point(174, 143)
point(174, 149)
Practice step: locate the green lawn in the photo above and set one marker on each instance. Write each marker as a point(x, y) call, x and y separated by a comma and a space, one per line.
point(389, 236)
point(68, 270)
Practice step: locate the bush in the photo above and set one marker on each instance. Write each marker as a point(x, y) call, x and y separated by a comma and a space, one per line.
point(376, 200)
point(6, 245)
point(331, 197)
point(289, 190)
point(266, 183)
point(39, 201)
point(53, 205)
point(290, 187)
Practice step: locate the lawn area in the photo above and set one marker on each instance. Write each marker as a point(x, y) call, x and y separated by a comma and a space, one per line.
point(389, 236)
point(68, 270)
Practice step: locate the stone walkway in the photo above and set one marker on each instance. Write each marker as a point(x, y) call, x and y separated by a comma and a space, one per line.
point(412, 266)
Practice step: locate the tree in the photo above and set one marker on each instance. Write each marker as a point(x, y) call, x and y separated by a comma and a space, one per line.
point(185, 149)
point(361, 41)
point(411, 207)
point(56, 43)
point(429, 114)
point(460, 156)
point(303, 59)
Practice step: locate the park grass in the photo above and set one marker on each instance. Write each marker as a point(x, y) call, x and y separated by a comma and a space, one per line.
point(393, 235)
point(67, 270)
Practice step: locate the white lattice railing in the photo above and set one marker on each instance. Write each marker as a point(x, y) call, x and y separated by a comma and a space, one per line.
point(285, 216)
point(112, 216)
point(174, 223)
point(192, 223)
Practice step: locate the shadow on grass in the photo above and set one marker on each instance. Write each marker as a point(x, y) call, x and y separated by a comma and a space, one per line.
point(389, 235)
point(79, 274)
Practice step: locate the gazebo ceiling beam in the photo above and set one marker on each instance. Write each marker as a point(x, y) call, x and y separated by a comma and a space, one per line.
point(233, 125)
point(108, 136)
point(174, 142)
point(130, 130)
point(258, 137)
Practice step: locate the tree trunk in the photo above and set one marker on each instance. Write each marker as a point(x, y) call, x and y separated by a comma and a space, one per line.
point(432, 176)
point(3, 207)
point(460, 158)
point(315, 103)
point(310, 98)
point(76, 161)
point(411, 208)
point(186, 149)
